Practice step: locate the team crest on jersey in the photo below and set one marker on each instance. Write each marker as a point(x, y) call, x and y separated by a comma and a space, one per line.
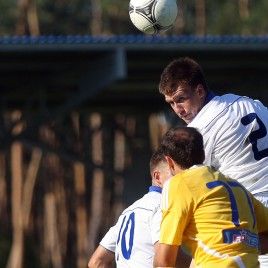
point(244, 236)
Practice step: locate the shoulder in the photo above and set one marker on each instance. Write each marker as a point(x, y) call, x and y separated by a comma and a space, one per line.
point(223, 100)
point(229, 99)
point(152, 201)
point(215, 109)
point(175, 185)
point(188, 186)
point(181, 184)
point(149, 202)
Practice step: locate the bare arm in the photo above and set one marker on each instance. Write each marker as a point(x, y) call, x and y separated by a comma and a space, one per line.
point(165, 256)
point(263, 237)
point(101, 258)
point(192, 265)
point(184, 260)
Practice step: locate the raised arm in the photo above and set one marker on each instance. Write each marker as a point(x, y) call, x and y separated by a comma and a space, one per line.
point(165, 256)
point(101, 258)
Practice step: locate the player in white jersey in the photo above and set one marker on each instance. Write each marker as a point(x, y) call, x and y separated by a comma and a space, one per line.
point(136, 231)
point(234, 128)
point(132, 239)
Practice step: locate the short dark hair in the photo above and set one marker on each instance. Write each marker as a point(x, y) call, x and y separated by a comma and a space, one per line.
point(156, 158)
point(182, 71)
point(184, 145)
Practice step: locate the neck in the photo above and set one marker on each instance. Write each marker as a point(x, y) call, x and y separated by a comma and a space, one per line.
point(178, 169)
point(155, 183)
point(209, 96)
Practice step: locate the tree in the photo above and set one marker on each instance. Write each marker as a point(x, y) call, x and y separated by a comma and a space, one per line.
point(27, 22)
point(200, 11)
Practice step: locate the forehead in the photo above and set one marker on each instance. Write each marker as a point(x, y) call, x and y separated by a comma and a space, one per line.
point(181, 91)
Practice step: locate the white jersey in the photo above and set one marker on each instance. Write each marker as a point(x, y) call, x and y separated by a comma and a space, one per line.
point(133, 237)
point(235, 135)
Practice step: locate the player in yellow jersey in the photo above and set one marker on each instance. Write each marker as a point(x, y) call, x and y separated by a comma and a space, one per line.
point(214, 217)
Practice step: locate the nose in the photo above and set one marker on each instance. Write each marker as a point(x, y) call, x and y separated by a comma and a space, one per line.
point(178, 108)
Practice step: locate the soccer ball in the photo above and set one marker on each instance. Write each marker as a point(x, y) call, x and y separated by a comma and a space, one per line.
point(153, 16)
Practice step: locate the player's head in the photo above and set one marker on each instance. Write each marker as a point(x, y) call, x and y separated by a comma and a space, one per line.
point(183, 148)
point(184, 87)
point(159, 168)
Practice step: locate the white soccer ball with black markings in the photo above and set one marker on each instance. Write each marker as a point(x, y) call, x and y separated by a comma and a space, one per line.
point(153, 16)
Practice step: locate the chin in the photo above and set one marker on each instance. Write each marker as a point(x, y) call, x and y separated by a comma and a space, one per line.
point(187, 121)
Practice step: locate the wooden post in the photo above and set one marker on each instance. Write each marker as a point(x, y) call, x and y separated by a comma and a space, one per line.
point(63, 215)
point(243, 6)
point(29, 184)
point(119, 166)
point(96, 14)
point(3, 189)
point(51, 237)
point(96, 211)
point(15, 259)
point(96, 208)
point(81, 215)
point(200, 11)
point(157, 127)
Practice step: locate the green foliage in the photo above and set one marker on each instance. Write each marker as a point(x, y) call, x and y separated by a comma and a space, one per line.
point(7, 17)
point(63, 17)
point(223, 17)
point(257, 22)
point(115, 17)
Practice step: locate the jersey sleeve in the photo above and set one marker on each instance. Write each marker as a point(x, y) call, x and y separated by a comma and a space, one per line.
point(175, 213)
point(109, 240)
point(261, 213)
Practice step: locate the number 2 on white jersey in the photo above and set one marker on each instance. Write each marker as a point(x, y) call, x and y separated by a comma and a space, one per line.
point(255, 135)
point(128, 225)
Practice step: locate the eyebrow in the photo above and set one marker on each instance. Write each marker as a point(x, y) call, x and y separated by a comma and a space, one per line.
point(169, 99)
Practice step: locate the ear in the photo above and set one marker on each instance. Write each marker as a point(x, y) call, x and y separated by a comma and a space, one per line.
point(200, 91)
point(156, 177)
point(170, 163)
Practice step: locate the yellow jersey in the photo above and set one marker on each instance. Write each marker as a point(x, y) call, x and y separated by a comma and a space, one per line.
point(214, 217)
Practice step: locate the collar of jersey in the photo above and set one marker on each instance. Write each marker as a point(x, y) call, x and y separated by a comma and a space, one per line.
point(154, 188)
point(209, 97)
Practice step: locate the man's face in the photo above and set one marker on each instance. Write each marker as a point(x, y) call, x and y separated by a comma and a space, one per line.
point(187, 102)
